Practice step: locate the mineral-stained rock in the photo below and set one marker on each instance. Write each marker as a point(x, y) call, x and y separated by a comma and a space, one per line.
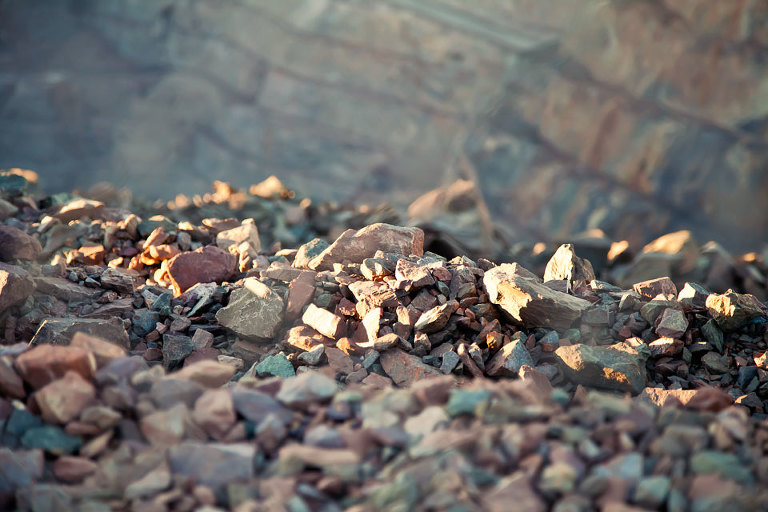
point(355, 246)
point(205, 265)
point(508, 360)
point(275, 366)
point(404, 369)
point(324, 322)
point(60, 331)
point(46, 363)
point(530, 302)
point(733, 310)
point(566, 265)
point(602, 367)
point(247, 232)
point(436, 318)
point(64, 399)
point(254, 311)
point(660, 286)
point(15, 286)
point(213, 464)
point(15, 244)
point(672, 324)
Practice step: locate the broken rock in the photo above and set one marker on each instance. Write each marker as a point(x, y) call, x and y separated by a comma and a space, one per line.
point(509, 359)
point(404, 369)
point(64, 399)
point(15, 244)
point(254, 311)
point(324, 322)
point(566, 265)
point(60, 331)
point(205, 265)
point(733, 310)
point(15, 286)
point(602, 367)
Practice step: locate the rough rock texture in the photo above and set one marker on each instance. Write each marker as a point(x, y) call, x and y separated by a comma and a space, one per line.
point(566, 265)
point(530, 302)
point(603, 367)
point(15, 286)
point(205, 265)
point(254, 311)
point(60, 331)
point(15, 244)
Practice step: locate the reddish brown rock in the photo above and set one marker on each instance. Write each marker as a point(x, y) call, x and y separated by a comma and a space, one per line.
point(15, 286)
point(72, 470)
point(64, 399)
point(301, 291)
point(122, 280)
point(205, 265)
point(355, 246)
point(405, 369)
point(215, 412)
point(654, 287)
point(324, 322)
point(103, 351)
point(665, 347)
point(79, 208)
point(15, 244)
point(11, 384)
point(46, 363)
point(165, 427)
point(732, 310)
point(339, 361)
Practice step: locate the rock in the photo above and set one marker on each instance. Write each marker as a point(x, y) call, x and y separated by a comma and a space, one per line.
point(301, 291)
point(103, 351)
point(202, 339)
point(19, 468)
point(254, 311)
point(693, 296)
point(60, 331)
point(298, 456)
point(72, 469)
point(725, 465)
point(205, 265)
point(528, 301)
point(11, 384)
point(355, 246)
point(15, 286)
point(51, 439)
point(79, 208)
point(213, 464)
point(167, 392)
point(673, 324)
point(46, 363)
point(565, 265)
point(176, 348)
point(64, 399)
point(247, 232)
point(602, 367)
point(305, 388)
point(165, 427)
point(713, 334)
point(121, 280)
point(254, 405)
point(324, 322)
point(405, 369)
point(463, 401)
point(66, 290)
point(508, 360)
point(339, 361)
point(680, 243)
point(149, 483)
point(732, 310)
point(654, 287)
point(215, 412)
point(412, 276)
point(210, 374)
point(308, 252)
point(15, 244)
point(665, 347)
point(277, 365)
point(715, 363)
point(436, 318)
point(515, 489)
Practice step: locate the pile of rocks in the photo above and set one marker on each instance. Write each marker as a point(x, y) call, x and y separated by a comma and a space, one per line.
point(172, 364)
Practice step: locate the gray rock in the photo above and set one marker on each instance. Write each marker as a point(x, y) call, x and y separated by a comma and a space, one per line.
point(254, 311)
point(176, 348)
point(307, 387)
point(59, 331)
point(309, 251)
point(436, 318)
point(603, 367)
point(651, 492)
point(65, 290)
point(693, 296)
point(732, 310)
point(213, 464)
point(404, 369)
point(564, 264)
point(673, 324)
point(15, 286)
point(508, 360)
point(527, 300)
point(726, 465)
point(713, 334)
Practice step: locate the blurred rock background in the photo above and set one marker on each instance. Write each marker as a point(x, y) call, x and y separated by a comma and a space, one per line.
point(636, 117)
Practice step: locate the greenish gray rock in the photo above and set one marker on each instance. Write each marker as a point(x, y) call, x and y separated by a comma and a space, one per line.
point(651, 492)
point(254, 311)
point(715, 362)
point(51, 439)
point(463, 401)
point(603, 367)
point(673, 324)
point(508, 360)
point(713, 334)
point(726, 465)
point(275, 366)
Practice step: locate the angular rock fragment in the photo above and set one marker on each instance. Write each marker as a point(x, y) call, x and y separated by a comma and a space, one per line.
point(565, 265)
point(602, 367)
point(60, 331)
point(324, 322)
point(15, 244)
point(103, 351)
point(405, 369)
point(653, 288)
point(672, 324)
point(208, 373)
point(247, 232)
point(205, 265)
point(213, 464)
point(412, 276)
point(305, 388)
point(528, 301)
point(64, 399)
point(254, 311)
point(79, 208)
point(508, 360)
point(15, 286)
point(308, 252)
point(46, 363)
point(66, 290)
point(355, 246)
point(733, 310)
point(176, 348)
point(693, 296)
point(436, 318)
point(122, 280)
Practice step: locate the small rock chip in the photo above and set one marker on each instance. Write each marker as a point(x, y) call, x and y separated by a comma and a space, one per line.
point(654, 287)
point(355, 246)
point(732, 310)
point(15, 285)
point(215, 412)
point(103, 351)
point(665, 347)
point(308, 387)
point(64, 399)
point(693, 296)
point(254, 311)
point(205, 265)
point(208, 373)
point(715, 363)
point(15, 244)
point(247, 232)
point(176, 348)
point(602, 367)
point(275, 366)
point(508, 360)
point(301, 291)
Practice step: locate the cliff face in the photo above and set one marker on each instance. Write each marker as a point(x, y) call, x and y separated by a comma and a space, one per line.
point(632, 116)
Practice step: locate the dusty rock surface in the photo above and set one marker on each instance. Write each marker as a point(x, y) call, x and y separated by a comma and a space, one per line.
point(387, 377)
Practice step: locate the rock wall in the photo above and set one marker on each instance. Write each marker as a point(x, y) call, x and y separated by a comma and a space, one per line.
point(631, 116)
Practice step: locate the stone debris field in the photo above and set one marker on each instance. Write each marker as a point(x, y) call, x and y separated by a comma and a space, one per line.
point(251, 350)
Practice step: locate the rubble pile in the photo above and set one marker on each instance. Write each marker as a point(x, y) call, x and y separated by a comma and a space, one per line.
point(188, 361)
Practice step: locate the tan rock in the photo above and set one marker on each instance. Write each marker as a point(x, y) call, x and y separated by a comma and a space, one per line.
point(79, 208)
point(215, 412)
point(324, 322)
point(732, 310)
point(208, 373)
point(103, 351)
point(15, 244)
point(64, 399)
point(565, 265)
point(165, 427)
point(15, 286)
point(73, 469)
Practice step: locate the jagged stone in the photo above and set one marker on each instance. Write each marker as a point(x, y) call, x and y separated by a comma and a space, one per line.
point(15, 286)
point(254, 311)
point(566, 265)
point(602, 367)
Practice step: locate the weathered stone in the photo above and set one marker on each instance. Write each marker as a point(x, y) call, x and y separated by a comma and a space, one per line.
point(72, 469)
point(602, 367)
point(254, 311)
point(324, 322)
point(339, 361)
point(277, 365)
point(208, 373)
point(103, 351)
point(19, 468)
point(412, 276)
point(254, 405)
point(301, 291)
point(517, 490)
point(205, 265)
point(51, 439)
point(305, 388)
point(165, 427)
point(247, 232)
point(294, 457)
point(693, 296)
point(64, 399)
point(46, 363)
point(176, 348)
point(15, 286)
point(60, 331)
point(355, 246)
point(121, 280)
point(713, 334)
point(11, 384)
point(665, 347)
point(405, 369)
point(215, 412)
point(436, 318)
point(654, 287)
point(213, 464)
point(528, 301)
point(66, 290)
point(672, 324)
point(564, 264)
point(508, 360)
point(308, 252)
point(15, 244)
point(715, 362)
point(732, 310)
point(79, 208)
